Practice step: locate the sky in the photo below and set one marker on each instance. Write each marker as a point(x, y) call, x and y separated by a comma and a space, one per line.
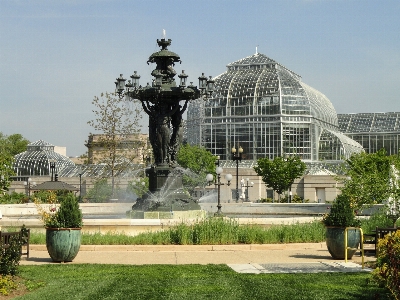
point(55, 56)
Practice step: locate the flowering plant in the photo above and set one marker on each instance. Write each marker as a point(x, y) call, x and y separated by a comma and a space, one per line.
point(342, 213)
point(59, 213)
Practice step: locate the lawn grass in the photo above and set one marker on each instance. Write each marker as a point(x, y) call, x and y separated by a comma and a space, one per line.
point(84, 281)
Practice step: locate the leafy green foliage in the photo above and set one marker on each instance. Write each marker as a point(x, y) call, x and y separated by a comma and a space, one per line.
point(13, 198)
point(199, 161)
point(69, 215)
point(9, 147)
point(342, 213)
point(378, 219)
point(101, 191)
point(7, 284)
point(366, 178)
point(280, 173)
point(388, 263)
point(10, 255)
point(13, 144)
point(295, 199)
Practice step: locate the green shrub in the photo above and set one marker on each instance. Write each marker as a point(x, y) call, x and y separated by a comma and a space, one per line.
point(45, 196)
point(341, 213)
point(378, 219)
point(13, 198)
point(69, 215)
point(10, 256)
point(101, 191)
point(387, 272)
point(266, 200)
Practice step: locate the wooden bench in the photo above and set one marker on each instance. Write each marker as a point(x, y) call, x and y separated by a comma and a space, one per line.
point(24, 235)
point(373, 238)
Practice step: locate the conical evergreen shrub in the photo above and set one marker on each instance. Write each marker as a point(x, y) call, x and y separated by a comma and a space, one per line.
point(69, 214)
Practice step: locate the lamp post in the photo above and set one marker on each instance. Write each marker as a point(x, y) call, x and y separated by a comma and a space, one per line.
point(247, 188)
point(28, 184)
point(237, 157)
point(52, 163)
point(218, 183)
point(80, 186)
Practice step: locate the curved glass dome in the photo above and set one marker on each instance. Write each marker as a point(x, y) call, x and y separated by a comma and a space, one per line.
point(267, 110)
point(35, 161)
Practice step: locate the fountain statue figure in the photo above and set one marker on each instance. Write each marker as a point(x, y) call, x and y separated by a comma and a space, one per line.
point(165, 103)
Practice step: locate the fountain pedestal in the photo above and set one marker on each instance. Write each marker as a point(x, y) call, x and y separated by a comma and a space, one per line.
point(166, 194)
point(158, 176)
point(165, 102)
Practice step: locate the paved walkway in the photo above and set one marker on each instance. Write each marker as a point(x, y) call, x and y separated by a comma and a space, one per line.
point(274, 258)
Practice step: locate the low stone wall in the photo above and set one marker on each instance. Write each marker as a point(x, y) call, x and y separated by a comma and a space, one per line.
point(249, 208)
point(29, 209)
point(245, 208)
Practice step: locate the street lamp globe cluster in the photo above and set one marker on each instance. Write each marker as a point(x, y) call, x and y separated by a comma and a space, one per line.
point(161, 101)
point(164, 102)
point(29, 185)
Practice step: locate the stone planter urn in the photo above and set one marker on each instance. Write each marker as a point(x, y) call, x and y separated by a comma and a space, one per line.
point(335, 241)
point(63, 243)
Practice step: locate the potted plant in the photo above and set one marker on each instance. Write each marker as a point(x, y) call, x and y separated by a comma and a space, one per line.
point(341, 215)
point(63, 223)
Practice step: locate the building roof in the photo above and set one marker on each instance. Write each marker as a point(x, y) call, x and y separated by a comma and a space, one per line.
point(36, 160)
point(369, 122)
point(54, 186)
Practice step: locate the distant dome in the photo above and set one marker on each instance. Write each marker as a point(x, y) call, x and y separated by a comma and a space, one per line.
point(267, 110)
point(35, 161)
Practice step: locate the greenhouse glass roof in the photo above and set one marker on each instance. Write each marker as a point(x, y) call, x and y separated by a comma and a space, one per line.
point(266, 108)
point(369, 122)
point(35, 161)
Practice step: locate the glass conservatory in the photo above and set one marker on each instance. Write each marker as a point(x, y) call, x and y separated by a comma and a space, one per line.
point(267, 110)
point(373, 131)
point(35, 161)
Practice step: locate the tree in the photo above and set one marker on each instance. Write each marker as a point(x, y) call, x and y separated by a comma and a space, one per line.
point(118, 123)
point(16, 144)
point(199, 161)
point(280, 173)
point(370, 178)
point(9, 147)
point(101, 191)
point(6, 170)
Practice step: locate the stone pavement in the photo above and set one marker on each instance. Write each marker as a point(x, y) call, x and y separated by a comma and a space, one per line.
point(266, 258)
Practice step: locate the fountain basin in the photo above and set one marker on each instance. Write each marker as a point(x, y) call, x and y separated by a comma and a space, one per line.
point(179, 214)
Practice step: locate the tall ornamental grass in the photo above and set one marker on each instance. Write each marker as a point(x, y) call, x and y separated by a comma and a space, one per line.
point(211, 231)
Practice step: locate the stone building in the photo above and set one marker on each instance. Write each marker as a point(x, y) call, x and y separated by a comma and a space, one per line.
point(134, 147)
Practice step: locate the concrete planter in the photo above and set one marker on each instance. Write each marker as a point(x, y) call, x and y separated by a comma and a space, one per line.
point(63, 243)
